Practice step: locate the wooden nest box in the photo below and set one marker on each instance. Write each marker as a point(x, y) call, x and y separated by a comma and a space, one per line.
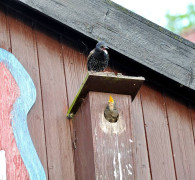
point(103, 149)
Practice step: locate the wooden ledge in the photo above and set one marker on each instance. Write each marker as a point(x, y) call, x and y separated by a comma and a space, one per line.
point(106, 82)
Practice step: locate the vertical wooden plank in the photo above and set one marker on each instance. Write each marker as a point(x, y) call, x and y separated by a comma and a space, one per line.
point(75, 70)
point(182, 137)
point(192, 113)
point(140, 152)
point(84, 154)
point(4, 31)
point(24, 48)
point(75, 65)
point(58, 140)
point(157, 132)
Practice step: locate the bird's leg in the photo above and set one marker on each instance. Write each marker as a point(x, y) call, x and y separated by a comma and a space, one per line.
point(92, 72)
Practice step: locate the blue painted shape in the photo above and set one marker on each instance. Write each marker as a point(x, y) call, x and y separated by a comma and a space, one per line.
point(19, 115)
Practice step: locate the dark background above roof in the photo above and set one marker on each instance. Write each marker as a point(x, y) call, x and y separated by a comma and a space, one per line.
point(146, 43)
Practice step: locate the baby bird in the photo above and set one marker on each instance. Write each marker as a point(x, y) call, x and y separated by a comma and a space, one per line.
point(98, 58)
point(111, 113)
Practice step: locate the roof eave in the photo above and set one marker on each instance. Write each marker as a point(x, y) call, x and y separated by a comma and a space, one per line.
point(127, 33)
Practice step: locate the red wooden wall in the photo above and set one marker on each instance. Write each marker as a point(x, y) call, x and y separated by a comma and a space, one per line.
point(163, 125)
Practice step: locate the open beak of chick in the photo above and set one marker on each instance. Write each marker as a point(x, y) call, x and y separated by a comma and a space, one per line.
point(111, 112)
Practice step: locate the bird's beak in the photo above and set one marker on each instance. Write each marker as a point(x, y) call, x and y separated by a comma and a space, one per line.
point(111, 100)
point(105, 47)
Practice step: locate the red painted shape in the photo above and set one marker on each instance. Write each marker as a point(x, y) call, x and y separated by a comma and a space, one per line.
point(9, 92)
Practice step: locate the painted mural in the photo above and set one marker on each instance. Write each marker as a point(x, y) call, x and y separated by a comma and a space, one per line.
point(19, 158)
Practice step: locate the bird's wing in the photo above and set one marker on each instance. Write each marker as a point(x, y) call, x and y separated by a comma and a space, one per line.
point(90, 54)
point(91, 61)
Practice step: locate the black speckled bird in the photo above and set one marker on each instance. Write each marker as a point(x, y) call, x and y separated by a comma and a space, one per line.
point(111, 112)
point(98, 58)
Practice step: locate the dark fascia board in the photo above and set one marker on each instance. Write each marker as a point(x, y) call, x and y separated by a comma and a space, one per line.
point(127, 33)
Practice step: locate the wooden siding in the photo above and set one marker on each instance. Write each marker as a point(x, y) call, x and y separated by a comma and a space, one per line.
point(163, 125)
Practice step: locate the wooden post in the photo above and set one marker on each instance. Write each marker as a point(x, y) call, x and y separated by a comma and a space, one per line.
point(103, 150)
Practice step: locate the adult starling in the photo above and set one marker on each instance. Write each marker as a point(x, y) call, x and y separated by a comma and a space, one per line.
point(98, 58)
point(111, 113)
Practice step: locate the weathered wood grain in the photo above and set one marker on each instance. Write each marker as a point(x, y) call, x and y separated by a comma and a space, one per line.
point(24, 48)
point(140, 152)
point(75, 64)
point(181, 132)
point(83, 143)
point(112, 142)
point(192, 114)
point(157, 134)
point(4, 31)
point(126, 33)
point(154, 115)
point(111, 145)
point(58, 140)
